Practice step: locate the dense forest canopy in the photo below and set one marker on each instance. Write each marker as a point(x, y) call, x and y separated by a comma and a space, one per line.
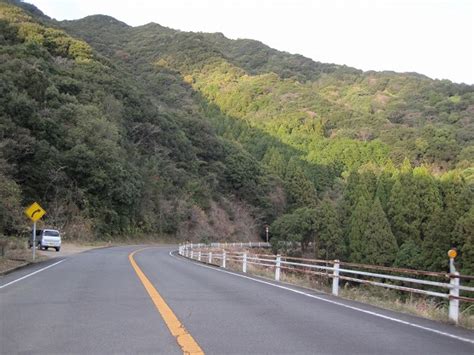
point(148, 130)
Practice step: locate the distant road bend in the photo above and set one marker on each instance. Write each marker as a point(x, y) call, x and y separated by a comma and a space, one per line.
point(129, 300)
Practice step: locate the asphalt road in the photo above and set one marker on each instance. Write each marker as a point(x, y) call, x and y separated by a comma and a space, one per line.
point(94, 303)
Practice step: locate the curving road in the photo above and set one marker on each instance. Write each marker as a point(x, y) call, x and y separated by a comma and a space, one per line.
point(95, 303)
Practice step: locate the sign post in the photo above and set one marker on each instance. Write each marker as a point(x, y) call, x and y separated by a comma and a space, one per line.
point(34, 241)
point(34, 212)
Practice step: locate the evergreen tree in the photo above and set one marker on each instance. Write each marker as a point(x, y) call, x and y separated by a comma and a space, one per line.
point(300, 189)
point(298, 228)
point(354, 190)
point(457, 200)
point(275, 162)
point(436, 244)
point(380, 244)
point(384, 188)
point(357, 227)
point(369, 180)
point(464, 233)
point(347, 202)
point(402, 211)
point(426, 198)
point(409, 255)
point(440, 229)
point(331, 239)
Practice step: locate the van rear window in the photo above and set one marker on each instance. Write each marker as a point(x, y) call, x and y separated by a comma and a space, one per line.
point(51, 234)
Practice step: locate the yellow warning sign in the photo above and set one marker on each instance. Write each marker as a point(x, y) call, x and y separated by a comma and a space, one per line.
point(35, 212)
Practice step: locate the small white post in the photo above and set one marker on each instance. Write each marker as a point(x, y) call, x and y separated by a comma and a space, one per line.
point(209, 260)
point(241, 244)
point(244, 262)
point(277, 268)
point(453, 292)
point(192, 254)
point(199, 255)
point(453, 302)
point(223, 258)
point(335, 279)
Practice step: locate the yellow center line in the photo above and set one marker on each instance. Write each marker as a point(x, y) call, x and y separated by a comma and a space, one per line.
point(184, 339)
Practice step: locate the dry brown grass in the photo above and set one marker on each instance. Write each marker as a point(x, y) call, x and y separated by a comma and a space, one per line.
point(16, 254)
point(419, 305)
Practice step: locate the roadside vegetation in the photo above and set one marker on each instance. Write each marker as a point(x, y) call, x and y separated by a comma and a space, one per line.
point(14, 253)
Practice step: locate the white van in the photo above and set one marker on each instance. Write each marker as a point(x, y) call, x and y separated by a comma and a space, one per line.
point(46, 238)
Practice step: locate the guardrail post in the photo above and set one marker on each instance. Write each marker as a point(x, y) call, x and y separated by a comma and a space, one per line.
point(192, 254)
point(209, 260)
point(453, 302)
point(244, 262)
point(223, 258)
point(199, 255)
point(277, 268)
point(335, 279)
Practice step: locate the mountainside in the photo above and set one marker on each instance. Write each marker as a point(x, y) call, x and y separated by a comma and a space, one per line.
point(130, 130)
point(304, 103)
point(84, 137)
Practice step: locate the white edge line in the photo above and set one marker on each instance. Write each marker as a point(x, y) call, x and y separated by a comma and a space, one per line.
point(337, 303)
point(33, 273)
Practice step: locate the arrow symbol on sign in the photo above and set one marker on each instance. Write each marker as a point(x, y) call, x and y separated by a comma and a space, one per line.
point(35, 212)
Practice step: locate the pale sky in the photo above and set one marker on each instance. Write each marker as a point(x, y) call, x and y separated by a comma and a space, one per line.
point(431, 37)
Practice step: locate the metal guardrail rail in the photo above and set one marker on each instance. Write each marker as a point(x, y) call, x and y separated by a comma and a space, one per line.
point(220, 253)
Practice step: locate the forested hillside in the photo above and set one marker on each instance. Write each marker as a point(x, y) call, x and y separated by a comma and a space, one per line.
point(150, 130)
point(83, 137)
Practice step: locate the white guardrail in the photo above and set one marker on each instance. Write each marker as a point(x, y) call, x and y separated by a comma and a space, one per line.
point(219, 254)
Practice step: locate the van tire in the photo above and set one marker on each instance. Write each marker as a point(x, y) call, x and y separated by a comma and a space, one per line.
point(45, 248)
point(57, 248)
